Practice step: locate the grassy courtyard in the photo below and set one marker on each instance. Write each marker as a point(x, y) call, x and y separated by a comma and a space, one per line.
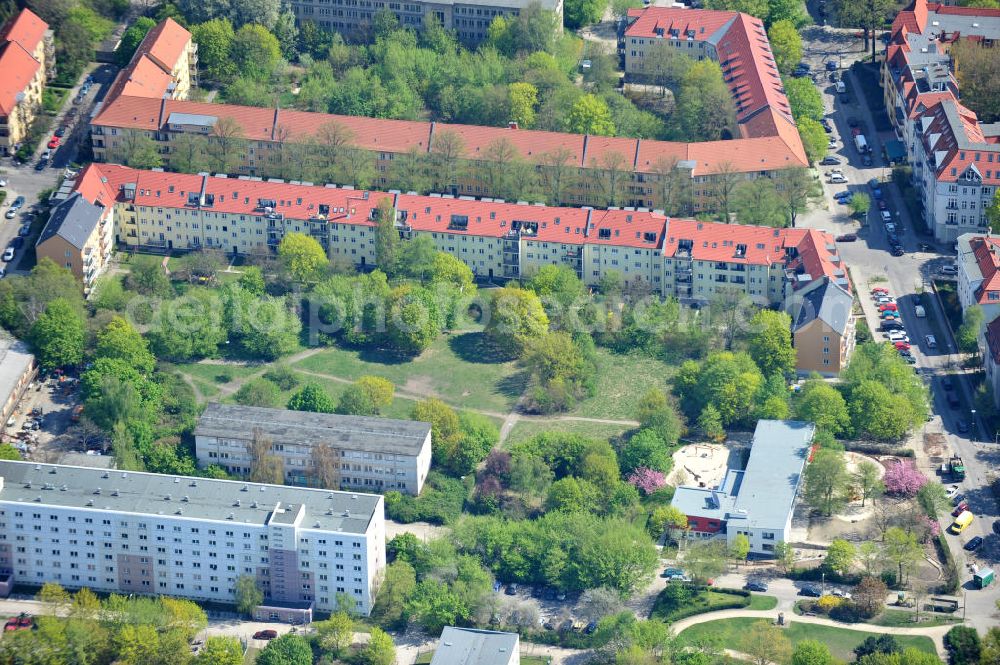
point(841, 641)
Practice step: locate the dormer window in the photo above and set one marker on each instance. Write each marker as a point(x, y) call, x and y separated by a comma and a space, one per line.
point(604, 234)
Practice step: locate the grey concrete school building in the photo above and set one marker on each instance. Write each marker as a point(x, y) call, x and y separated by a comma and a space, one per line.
point(146, 533)
point(374, 454)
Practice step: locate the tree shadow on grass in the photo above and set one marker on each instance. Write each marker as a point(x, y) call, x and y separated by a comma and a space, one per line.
point(514, 385)
point(379, 356)
point(473, 347)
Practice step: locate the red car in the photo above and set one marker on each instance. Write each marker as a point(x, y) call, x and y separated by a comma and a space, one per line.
point(890, 306)
point(10, 626)
point(855, 131)
point(25, 621)
point(882, 205)
point(265, 634)
point(902, 346)
point(880, 291)
point(960, 508)
point(54, 142)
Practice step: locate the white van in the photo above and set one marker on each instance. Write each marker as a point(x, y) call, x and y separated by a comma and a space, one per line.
point(920, 311)
point(841, 87)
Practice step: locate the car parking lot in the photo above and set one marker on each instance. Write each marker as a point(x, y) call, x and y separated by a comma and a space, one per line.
point(42, 426)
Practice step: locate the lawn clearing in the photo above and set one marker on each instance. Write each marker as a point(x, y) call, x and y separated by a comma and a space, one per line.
point(219, 373)
point(762, 603)
point(622, 379)
point(525, 429)
point(904, 618)
point(454, 369)
point(840, 640)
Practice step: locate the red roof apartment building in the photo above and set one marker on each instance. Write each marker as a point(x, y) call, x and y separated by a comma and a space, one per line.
point(155, 210)
point(27, 60)
point(601, 171)
point(165, 66)
point(955, 158)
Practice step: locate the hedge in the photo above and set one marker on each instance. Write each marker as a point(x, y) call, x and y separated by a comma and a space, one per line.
point(872, 448)
point(741, 600)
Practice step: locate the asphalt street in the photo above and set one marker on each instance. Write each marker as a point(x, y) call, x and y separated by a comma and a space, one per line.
point(24, 180)
point(906, 277)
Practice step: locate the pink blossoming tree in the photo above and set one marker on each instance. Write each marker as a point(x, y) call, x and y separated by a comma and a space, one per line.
point(646, 480)
point(903, 479)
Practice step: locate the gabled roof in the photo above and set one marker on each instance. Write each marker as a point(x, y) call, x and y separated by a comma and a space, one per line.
point(825, 302)
point(150, 72)
point(166, 43)
point(73, 220)
point(19, 68)
point(26, 29)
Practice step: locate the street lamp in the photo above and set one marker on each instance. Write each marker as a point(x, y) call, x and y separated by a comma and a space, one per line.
point(975, 425)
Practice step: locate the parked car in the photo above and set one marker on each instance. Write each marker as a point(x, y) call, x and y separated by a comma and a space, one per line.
point(847, 237)
point(671, 572)
point(591, 627)
point(837, 178)
point(54, 142)
point(930, 341)
point(830, 161)
point(759, 586)
point(902, 346)
point(897, 250)
point(888, 306)
point(511, 589)
point(811, 591)
point(908, 358)
point(882, 205)
point(960, 508)
point(973, 544)
point(61, 132)
point(268, 634)
point(886, 216)
point(948, 270)
point(25, 230)
point(42, 164)
point(11, 625)
point(8, 254)
point(831, 66)
point(880, 290)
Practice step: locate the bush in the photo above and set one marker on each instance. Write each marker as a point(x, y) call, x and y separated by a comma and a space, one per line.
point(962, 643)
point(679, 601)
point(282, 376)
point(951, 581)
point(440, 503)
point(848, 613)
point(871, 448)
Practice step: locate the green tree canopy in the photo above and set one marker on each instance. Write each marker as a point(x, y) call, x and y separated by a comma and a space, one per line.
point(312, 397)
point(786, 45)
point(255, 52)
point(302, 256)
point(590, 115)
point(290, 649)
point(58, 336)
point(516, 316)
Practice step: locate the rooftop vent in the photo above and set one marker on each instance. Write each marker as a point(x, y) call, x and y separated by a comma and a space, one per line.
point(253, 505)
point(237, 503)
point(97, 491)
point(27, 485)
point(90, 502)
point(246, 488)
point(105, 475)
point(194, 483)
point(230, 516)
point(167, 498)
point(38, 499)
point(114, 492)
point(185, 498)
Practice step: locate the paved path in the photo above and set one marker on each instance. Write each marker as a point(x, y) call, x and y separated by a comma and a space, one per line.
point(936, 633)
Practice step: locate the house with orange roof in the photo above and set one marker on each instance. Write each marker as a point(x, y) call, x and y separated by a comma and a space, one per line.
point(27, 61)
point(164, 66)
point(978, 273)
point(498, 240)
point(955, 158)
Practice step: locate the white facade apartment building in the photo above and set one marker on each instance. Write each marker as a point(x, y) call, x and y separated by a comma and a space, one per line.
point(128, 532)
point(373, 454)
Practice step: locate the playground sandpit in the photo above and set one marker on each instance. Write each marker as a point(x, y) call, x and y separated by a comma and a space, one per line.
point(699, 465)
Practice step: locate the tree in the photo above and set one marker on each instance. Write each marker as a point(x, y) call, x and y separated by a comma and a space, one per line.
point(870, 557)
point(265, 467)
point(302, 256)
point(248, 594)
point(516, 316)
point(647, 449)
point(860, 204)
point(726, 381)
point(710, 424)
point(819, 402)
point(312, 397)
point(993, 212)
point(55, 598)
point(868, 481)
point(557, 173)
point(386, 237)
point(705, 560)
point(446, 150)
point(672, 187)
point(879, 413)
point(523, 98)
point(967, 336)
point(255, 52)
point(579, 13)
point(141, 152)
point(795, 189)
point(766, 643)
point(813, 137)
point(902, 549)
point(991, 647)
point(119, 340)
point(215, 42)
point(446, 430)
point(826, 481)
point(904, 479)
point(289, 649)
point(740, 549)
point(448, 269)
point(784, 555)
point(398, 585)
point(840, 556)
point(812, 652)
point(704, 110)
point(590, 115)
point(870, 15)
point(770, 342)
point(335, 634)
point(786, 45)
point(220, 651)
point(131, 39)
point(258, 393)
point(595, 604)
point(756, 202)
point(58, 336)
point(804, 98)
point(873, 644)
point(669, 519)
point(380, 650)
point(963, 645)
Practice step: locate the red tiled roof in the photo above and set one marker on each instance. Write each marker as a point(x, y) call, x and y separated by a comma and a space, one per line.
point(150, 72)
point(26, 29)
point(166, 43)
point(19, 68)
point(986, 250)
point(704, 22)
point(144, 78)
point(913, 18)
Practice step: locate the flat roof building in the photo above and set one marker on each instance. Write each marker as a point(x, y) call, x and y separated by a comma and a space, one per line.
point(188, 537)
point(17, 369)
point(376, 454)
point(759, 500)
point(468, 646)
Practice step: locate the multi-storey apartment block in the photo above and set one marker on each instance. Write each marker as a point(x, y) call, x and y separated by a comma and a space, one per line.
point(27, 60)
point(374, 454)
point(79, 236)
point(688, 259)
point(165, 66)
point(470, 20)
point(955, 158)
point(128, 532)
point(823, 327)
point(737, 41)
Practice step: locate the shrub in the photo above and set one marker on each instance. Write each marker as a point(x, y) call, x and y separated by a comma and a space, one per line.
point(282, 376)
point(646, 480)
point(903, 479)
point(828, 602)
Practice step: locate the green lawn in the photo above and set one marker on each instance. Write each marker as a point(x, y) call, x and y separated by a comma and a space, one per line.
point(905, 618)
point(705, 601)
point(621, 380)
point(762, 603)
point(455, 368)
point(218, 374)
point(525, 429)
point(840, 640)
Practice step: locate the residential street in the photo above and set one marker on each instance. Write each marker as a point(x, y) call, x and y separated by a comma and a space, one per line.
point(906, 276)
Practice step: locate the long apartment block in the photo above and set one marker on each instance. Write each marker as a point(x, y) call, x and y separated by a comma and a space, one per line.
point(955, 157)
point(594, 170)
point(688, 259)
point(145, 533)
point(374, 454)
